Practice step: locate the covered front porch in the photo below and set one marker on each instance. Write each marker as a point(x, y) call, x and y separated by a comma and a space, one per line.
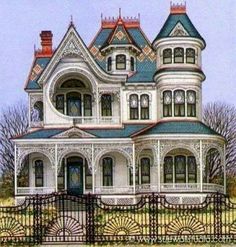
point(161, 166)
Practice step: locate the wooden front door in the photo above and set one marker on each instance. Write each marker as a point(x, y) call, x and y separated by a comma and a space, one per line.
point(75, 175)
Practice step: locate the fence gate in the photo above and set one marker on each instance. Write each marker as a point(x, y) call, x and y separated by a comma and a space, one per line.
point(60, 217)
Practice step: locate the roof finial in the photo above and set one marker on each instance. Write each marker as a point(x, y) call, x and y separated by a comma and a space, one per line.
point(71, 20)
point(178, 8)
point(119, 13)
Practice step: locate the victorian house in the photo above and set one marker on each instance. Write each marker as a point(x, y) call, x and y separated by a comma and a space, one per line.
point(119, 117)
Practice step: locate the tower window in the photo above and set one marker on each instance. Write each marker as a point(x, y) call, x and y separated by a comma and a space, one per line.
point(179, 103)
point(190, 55)
point(178, 55)
point(133, 105)
point(109, 64)
point(191, 103)
point(144, 102)
point(167, 104)
point(120, 62)
point(167, 56)
point(132, 64)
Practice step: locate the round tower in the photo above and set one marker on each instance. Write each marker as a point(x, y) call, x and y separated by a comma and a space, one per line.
point(179, 75)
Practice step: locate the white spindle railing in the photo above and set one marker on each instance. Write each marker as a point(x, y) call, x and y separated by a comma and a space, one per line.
point(34, 190)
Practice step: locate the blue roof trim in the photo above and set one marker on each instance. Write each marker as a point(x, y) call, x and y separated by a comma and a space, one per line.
point(32, 83)
point(172, 21)
point(180, 127)
point(42, 134)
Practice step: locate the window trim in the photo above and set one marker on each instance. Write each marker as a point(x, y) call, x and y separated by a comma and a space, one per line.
point(136, 109)
point(194, 56)
point(179, 104)
point(167, 105)
point(144, 108)
point(106, 110)
point(191, 104)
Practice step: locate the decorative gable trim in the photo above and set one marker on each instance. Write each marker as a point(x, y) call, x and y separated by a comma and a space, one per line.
point(73, 46)
point(179, 31)
point(74, 133)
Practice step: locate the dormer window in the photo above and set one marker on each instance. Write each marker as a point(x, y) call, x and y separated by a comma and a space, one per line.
point(109, 64)
point(178, 55)
point(167, 56)
point(120, 62)
point(132, 64)
point(190, 55)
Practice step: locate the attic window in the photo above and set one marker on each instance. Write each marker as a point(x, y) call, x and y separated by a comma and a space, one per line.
point(120, 62)
point(109, 63)
point(132, 64)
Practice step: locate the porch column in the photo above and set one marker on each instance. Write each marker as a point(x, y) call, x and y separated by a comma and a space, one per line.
point(158, 167)
point(93, 168)
point(56, 168)
point(134, 171)
point(15, 170)
point(224, 164)
point(201, 167)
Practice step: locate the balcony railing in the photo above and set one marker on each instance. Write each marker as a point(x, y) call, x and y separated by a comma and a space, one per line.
point(96, 120)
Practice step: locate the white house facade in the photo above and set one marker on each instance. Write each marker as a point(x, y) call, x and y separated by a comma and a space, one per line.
point(120, 117)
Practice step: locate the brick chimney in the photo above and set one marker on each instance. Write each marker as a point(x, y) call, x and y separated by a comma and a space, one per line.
point(46, 43)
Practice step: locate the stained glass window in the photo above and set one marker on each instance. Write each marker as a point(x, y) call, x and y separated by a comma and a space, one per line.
point(60, 103)
point(132, 64)
point(133, 103)
point(190, 55)
point(106, 104)
point(107, 164)
point(87, 105)
point(180, 169)
point(178, 55)
point(109, 64)
point(73, 83)
point(38, 173)
point(120, 62)
point(168, 169)
point(145, 171)
point(191, 103)
point(144, 101)
point(179, 100)
point(167, 56)
point(74, 104)
point(192, 170)
point(167, 104)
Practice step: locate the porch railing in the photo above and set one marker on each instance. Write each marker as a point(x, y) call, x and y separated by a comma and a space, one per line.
point(96, 120)
point(35, 190)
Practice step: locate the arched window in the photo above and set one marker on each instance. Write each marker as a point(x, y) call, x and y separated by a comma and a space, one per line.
point(180, 169)
point(73, 83)
point(107, 168)
point(133, 105)
point(132, 64)
point(131, 176)
point(167, 56)
point(190, 55)
point(38, 173)
point(88, 177)
point(60, 103)
point(120, 62)
point(191, 103)
point(106, 104)
point(144, 102)
point(73, 104)
point(178, 55)
point(167, 104)
point(179, 100)
point(192, 170)
point(168, 169)
point(145, 171)
point(37, 113)
point(61, 177)
point(87, 105)
point(109, 64)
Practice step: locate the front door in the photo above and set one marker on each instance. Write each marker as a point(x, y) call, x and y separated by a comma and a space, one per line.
point(75, 175)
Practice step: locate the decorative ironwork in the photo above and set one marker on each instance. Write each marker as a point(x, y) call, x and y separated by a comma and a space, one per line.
point(57, 218)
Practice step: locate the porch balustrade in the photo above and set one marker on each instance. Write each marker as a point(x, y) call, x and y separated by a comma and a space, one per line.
point(35, 190)
point(96, 120)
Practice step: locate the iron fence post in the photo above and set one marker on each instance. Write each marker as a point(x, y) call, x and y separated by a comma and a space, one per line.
point(37, 216)
point(218, 216)
point(90, 223)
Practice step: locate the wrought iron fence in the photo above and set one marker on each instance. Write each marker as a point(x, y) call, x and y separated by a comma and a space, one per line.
point(61, 217)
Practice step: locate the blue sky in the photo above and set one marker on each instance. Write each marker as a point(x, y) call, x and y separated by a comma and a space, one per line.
point(21, 21)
